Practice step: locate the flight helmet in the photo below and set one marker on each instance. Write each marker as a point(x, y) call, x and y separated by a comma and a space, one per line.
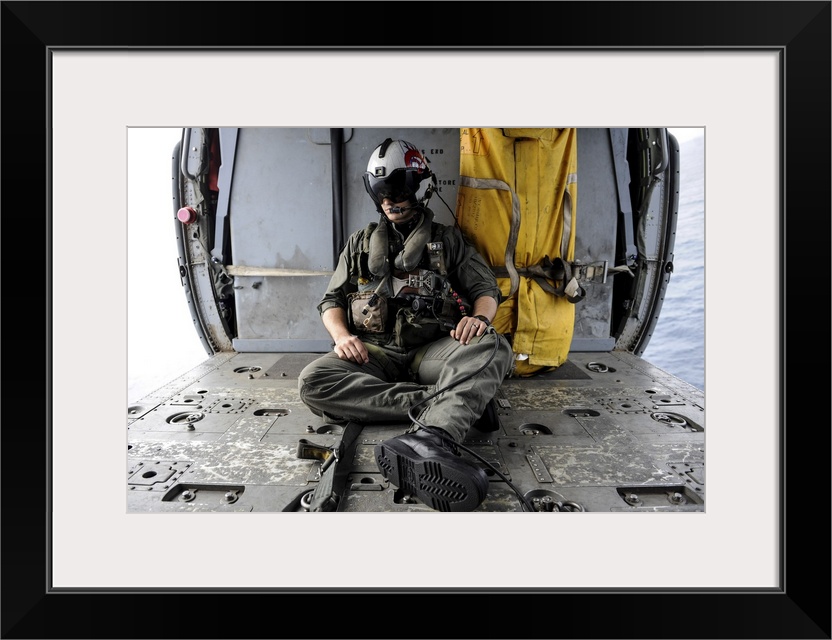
point(396, 170)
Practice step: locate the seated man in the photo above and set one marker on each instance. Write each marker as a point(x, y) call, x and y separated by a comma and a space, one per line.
point(406, 338)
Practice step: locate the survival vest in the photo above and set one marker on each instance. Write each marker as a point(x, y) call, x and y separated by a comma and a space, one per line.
point(406, 301)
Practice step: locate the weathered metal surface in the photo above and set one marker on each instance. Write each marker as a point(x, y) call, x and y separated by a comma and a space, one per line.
point(582, 439)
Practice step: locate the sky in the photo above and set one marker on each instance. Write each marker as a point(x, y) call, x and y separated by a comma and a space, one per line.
point(161, 340)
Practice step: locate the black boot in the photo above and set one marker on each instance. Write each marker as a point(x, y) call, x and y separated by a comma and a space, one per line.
point(488, 421)
point(427, 465)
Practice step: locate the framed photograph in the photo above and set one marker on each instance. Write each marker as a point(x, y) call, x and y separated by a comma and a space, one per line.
point(79, 76)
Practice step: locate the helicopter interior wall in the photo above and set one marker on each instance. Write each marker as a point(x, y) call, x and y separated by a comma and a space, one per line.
point(280, 200)
point(281, 217)
point(595, 237)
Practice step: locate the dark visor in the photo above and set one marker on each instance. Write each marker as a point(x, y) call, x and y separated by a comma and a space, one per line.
point(396, 186)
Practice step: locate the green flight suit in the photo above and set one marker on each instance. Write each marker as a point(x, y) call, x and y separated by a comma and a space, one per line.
point(411, 354)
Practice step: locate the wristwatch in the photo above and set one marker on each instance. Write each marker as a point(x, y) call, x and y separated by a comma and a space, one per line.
point(483, 319)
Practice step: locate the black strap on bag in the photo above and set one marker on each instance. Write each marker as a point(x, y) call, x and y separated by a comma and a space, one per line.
point(335, 468)
point(557, 270)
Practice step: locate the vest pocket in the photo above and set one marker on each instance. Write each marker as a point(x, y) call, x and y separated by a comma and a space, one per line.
point(368, 312)
point(413, 330)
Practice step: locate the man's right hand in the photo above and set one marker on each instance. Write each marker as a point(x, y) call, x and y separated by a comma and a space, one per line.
point(346, 345)
point(350, 347)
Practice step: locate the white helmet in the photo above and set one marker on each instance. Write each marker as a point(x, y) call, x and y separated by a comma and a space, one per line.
point(396, 170)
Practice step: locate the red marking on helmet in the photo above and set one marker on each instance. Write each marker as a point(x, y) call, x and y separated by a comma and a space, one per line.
point(414, 159)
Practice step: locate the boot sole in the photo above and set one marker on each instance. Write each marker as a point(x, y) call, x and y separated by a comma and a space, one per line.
point(444, 484)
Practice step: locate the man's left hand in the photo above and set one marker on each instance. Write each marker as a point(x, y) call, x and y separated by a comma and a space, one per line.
point(467, 328)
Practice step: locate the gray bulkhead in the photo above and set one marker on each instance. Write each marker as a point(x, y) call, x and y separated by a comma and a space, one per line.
point(282, 227)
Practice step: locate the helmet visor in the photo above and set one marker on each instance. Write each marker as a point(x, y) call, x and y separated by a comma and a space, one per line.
point(399, 186)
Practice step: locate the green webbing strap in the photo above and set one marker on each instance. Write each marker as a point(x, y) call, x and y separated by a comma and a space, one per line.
point(337, 462)
point(558, 269)
point(548, 269)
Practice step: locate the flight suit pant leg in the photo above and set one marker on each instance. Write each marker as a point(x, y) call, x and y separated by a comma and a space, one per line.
point(448, 362)
point(341, 390)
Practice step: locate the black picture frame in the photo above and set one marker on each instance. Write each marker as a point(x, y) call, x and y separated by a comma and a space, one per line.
point(800, 608)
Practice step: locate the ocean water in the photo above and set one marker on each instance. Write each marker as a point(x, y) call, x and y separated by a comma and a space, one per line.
point(678, 341)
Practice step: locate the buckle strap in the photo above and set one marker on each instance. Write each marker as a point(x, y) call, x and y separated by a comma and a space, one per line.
point(327, 495)
point(557, 270)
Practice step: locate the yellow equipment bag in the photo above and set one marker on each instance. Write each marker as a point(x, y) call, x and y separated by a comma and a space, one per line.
point(517, 202)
